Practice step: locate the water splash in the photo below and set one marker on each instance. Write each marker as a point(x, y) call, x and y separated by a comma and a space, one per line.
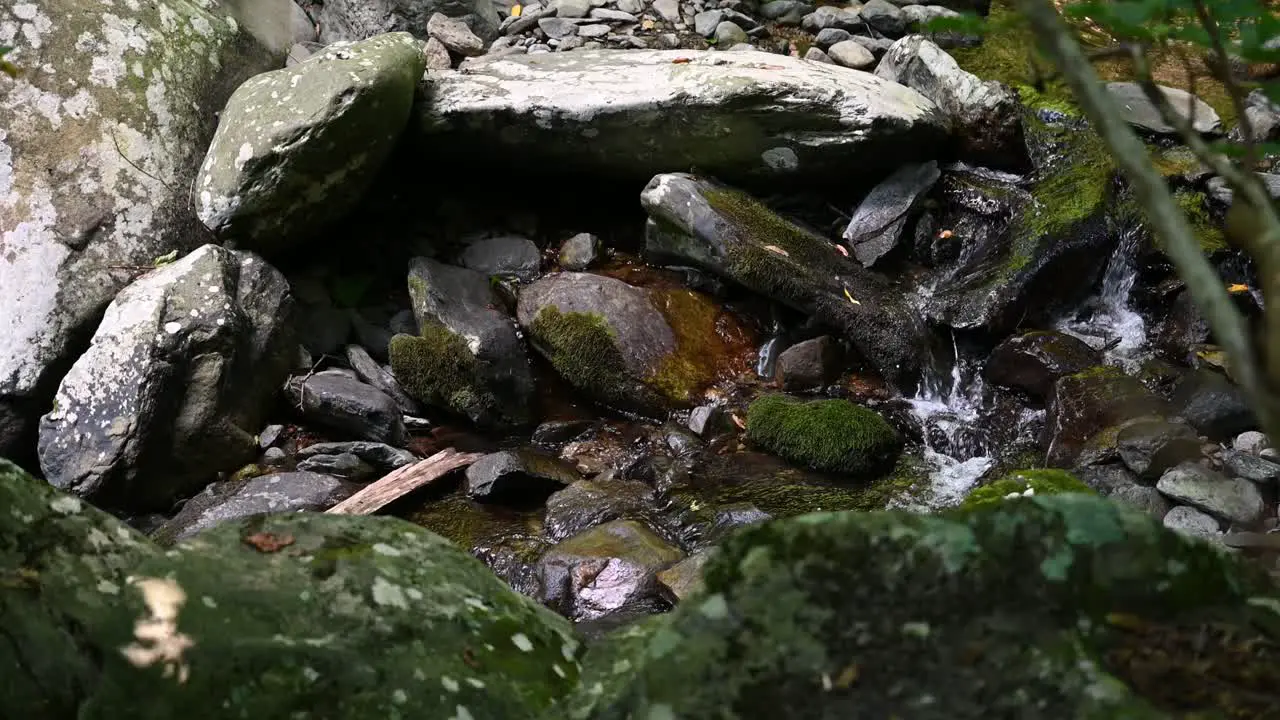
point(1107, 321)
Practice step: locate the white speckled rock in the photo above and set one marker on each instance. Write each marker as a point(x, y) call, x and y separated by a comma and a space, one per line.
point(635, 113)
point(175, 383)
point(100, 136)
point(295, 148)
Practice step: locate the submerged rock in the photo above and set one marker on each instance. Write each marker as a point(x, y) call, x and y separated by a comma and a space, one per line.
point(103, 90)
point(363, 616)
point(296, 148)
point(1086, 402)
point(825, 435)
point(467, 357)
point(1044, 607)
point(881, 217)
point(178, 379)
point(1033, 361)
point(737, 116)
point(604, 569)
point(588, 503)
point(727, 233)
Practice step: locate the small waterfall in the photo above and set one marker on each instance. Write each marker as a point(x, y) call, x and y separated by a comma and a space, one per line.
point(1107, 321)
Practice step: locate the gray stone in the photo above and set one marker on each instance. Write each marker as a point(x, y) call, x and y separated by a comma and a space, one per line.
point(297, 147)
point(684, 579)
point(558, 432)
point(518, 477)
point(103, 91)
point(454, 35)
point(1140, 112)
point(1141, 497)
point(810, 364)
point(611, 15)
point(742, 20)
point(179, 376)
point(646, 114)
point(705, 22)
point(829, 16)
point(919, 15)
point(597, 30)
point(827, 37)
point(1252, 442)
point(878, 222)
point(579, 252)
point(785, 12)
point(571, 8)
point(588, 503)
point(1213, 405)
point(877, 46)
point(1150, 447)
point(436, 55)
point(1190, 521)
point(269, 436)
point(1264, 116)
point(884, 17)
point(850, 54)
point(1218, 189)
point(985, 113)
point(635, 7)
point(706, 420)
point(669, 10)
point(344, 466)
point(1250, 467)
point(277, 493)
point(360, 19)
point(381, 456)
point(1033, 361)
point(815, 54)
point(347, 406)
point(275, 457)
point(380, 377)
point(1234, 500)
point(604, 569)
point(510, 255)
point(728, 33)
point(557, 27)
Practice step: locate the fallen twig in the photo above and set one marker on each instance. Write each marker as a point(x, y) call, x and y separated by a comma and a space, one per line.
point(402, 481)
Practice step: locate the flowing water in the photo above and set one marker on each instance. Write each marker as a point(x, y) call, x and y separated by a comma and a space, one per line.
point(1107, 322)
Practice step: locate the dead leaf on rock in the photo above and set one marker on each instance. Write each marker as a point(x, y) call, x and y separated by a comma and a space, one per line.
point(777, 250)
point(267, 542)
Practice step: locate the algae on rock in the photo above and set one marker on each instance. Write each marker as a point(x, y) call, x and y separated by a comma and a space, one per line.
point(1025, 483)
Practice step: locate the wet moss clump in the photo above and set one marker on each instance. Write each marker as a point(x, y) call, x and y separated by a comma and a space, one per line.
point(1074, 191)
point(437, 368)
point(1194, 206)
point(1038, 482)
point(824, 435)
point(581, 347)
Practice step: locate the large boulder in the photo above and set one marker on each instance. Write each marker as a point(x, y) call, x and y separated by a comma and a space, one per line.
point(467, 358)
point(985, 114)
point(695, 222)
point(639, 349)
point(296, 148)
point(630, 114)
point(177, 380)
point(360, 19)
point(100, 136)
point(1042, 608)
point(270, 617)
point(1089, 402)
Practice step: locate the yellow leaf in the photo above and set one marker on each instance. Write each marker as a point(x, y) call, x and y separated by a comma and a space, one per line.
point(516, 10)
point(1237, 288)
point(846, 294)
point(776, 249)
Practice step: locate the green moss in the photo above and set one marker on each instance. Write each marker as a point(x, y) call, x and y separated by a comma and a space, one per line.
point(437, 368)
point(1008, 54)
point(581, 348)
point(700, 349)
point(1073, 190)
point(825, 435)
point(1040, 482)
point(1194, 206)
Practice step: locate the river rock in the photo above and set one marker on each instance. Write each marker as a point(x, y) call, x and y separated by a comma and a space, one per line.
point(559, 432)
point(810, 364)
point(345, 405)
point(604, 569)
point(505, 255)
point(518, 477)
point(1249, 467)
point(1252, 442)
point(1144, 499)
point(467, 358)
point(627, 347)
point(364, 616)
point(705, 22)
point(176, 381)
point(1234, 500)
point(684, 579)
point(345, 466)
point(1142, 113)
point(785, 12)
point(1214, 405)
point(588, 503)
point(1264, 116)
point(1193, 523)
point(1033, 361)
point(829, 16)
point(648, 111)
point(104, 126)
point(579, 252)
point(379, 455)
point(815, 54)
point(986, 114)
point(361, 19)
point(884, 17)
point(381, 377)
point(1083, 403)
point(233, 500)
point(917, 16)
point(1150, 447)
point(780, 604)
point(297, 147)
point(695, 222)
point(833, 436)
point(1218, 189)
point(878, 222)
point(454, 35)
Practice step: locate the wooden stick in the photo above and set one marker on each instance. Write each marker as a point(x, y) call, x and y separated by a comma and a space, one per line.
point(402, 481)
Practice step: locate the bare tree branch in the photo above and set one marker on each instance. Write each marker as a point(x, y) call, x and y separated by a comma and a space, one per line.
point(1153, 195)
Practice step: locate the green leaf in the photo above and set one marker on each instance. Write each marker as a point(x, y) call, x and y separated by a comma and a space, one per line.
point(165, 259)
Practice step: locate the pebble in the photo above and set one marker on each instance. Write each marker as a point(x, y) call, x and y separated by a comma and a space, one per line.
point(851, 55)
point(815, 54)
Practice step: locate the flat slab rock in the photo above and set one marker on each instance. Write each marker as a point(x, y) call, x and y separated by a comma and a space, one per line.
point(640, 112)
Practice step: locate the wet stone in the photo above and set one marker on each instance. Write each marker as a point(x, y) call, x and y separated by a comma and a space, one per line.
point(558, 432)
point(684, 579)
point(1234, 500)
point(344, 404)
point(517, 477)
point(604, 569)
point(343, 465)
point(1250, 467)
point(380, 455)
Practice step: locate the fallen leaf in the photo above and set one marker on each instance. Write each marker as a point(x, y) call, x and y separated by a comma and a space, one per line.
point(945, 234)
point(737, 421)
point(846, 294)
point(778, 250)
point(681, 61)
point(267, 542)
point(516, 10)
point(847, 677)
point(841, 249)
point(647, 25)
point(1237, 288)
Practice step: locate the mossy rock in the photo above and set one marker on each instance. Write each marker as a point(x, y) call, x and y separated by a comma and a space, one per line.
point(1055, 607)
point(299, 615)
point(1020, 482)
point(824, 435)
